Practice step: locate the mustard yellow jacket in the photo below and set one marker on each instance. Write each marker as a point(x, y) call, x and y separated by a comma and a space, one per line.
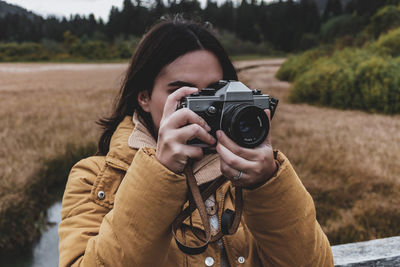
point(118, 209)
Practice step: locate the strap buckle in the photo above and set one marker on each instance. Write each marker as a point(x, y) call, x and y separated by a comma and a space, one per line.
point(229, 222)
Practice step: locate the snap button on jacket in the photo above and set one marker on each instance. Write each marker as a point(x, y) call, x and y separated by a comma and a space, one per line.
point(130, 224)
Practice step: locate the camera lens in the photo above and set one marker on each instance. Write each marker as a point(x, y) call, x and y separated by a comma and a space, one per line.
point(244, 127)
point(245, 124)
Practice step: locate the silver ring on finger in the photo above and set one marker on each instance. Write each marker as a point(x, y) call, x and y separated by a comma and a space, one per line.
point(238, 176)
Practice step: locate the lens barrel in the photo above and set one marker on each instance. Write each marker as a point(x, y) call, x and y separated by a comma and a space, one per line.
point(245, 124)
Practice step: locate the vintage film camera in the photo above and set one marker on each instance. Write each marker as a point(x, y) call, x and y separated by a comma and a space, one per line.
point(234, 108)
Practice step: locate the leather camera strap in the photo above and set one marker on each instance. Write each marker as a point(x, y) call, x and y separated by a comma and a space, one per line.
point(229, 222)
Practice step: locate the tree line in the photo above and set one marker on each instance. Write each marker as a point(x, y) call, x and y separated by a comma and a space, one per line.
point(285, 25)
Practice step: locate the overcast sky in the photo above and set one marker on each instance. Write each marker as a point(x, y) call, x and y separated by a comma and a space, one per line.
point(100, 8)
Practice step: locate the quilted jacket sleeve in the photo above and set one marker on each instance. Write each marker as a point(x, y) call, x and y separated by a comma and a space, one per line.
point(136, 232)
point(281, 216)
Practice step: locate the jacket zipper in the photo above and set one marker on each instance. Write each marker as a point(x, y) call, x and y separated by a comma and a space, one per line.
point(225, 248)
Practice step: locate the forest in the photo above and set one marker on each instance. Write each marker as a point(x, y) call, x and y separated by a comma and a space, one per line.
point(251, 27)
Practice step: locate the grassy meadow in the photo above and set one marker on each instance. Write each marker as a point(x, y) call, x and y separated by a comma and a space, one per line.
point(348, 160)
point(48, 114)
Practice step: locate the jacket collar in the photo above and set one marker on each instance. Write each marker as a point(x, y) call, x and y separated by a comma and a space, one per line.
point(205, 170)
point(120, 155)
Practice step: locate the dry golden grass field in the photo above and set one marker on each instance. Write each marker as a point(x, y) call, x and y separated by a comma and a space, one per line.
point(348, 160)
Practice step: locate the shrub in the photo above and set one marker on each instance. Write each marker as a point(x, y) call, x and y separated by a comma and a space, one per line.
point(388, 43)
point(308, 41)
point(299, 64)
point(329, 82)
point(91, 50)
point(351, 78)
point(341, 26)
point(124, 48)
point(385, 19)
point(378, 81)
point(236, 46)
point(23, 51)
point(52, 47)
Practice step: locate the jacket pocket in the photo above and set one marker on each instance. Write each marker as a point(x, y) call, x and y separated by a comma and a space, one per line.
point(106, 186)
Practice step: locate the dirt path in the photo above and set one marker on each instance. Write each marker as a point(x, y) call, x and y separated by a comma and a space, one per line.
point(260, 74)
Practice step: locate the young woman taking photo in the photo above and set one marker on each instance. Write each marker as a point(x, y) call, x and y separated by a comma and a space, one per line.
point(119, 206)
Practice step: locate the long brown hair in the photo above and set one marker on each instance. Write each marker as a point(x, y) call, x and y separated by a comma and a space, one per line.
point(161, 45)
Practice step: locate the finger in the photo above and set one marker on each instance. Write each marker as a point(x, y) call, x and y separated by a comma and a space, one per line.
point(243, 152)
point(186, 116)
point(232, 160)
point(230, 173)
point(173, 99)
point(193, 152)
point(193, 131)
point(268, 139)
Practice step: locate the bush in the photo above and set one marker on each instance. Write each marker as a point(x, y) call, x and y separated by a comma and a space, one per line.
point(385, 19)
point(351, 79)
point(236, 46)
point(23, 51)
point(72, 48)
point(388, 43)
point(341, 26)
point(308, 41)
point(124, 48)
point(379, 84)
point(329, 81)
point(91, 50)
point(299, 64)
point(52, 47)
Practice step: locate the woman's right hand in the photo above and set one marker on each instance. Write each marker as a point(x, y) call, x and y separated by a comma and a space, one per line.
point(176, 128)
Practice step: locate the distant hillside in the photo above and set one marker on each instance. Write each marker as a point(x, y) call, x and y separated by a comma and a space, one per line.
point(6, 8)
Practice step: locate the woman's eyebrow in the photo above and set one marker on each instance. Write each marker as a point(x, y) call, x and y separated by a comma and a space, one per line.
point(181, 84)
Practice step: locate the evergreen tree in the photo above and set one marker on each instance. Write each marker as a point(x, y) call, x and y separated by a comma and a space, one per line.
point(246, 22)
point(333, 8)
point(309, 16)
point(226, 16)
point(211, 12)
point(284, 24)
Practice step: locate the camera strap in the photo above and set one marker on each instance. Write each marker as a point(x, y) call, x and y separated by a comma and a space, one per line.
point(229, 222)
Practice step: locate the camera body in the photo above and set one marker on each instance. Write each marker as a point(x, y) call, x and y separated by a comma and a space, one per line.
point(234, 108)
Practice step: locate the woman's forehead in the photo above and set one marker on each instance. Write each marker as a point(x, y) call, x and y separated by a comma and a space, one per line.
point(193, 67)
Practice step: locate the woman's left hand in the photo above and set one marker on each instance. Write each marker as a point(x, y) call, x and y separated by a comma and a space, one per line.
point(256, 165)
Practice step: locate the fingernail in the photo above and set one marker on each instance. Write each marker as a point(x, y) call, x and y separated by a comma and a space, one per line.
point(208, 128)
point(219, 134)
point(212, 140)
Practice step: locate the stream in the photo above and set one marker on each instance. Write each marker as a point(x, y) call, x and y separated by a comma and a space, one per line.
point(45, 252)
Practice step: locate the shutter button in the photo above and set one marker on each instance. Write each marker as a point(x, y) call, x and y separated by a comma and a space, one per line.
point(241, 260)
point(209, 261)
point(101, 195)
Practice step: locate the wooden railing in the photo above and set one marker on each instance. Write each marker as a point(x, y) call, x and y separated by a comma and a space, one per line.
point(383, 252)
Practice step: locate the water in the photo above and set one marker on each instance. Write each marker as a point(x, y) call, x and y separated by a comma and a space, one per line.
point(45, 252)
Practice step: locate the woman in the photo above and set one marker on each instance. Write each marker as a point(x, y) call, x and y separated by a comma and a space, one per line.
point(118, 208)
